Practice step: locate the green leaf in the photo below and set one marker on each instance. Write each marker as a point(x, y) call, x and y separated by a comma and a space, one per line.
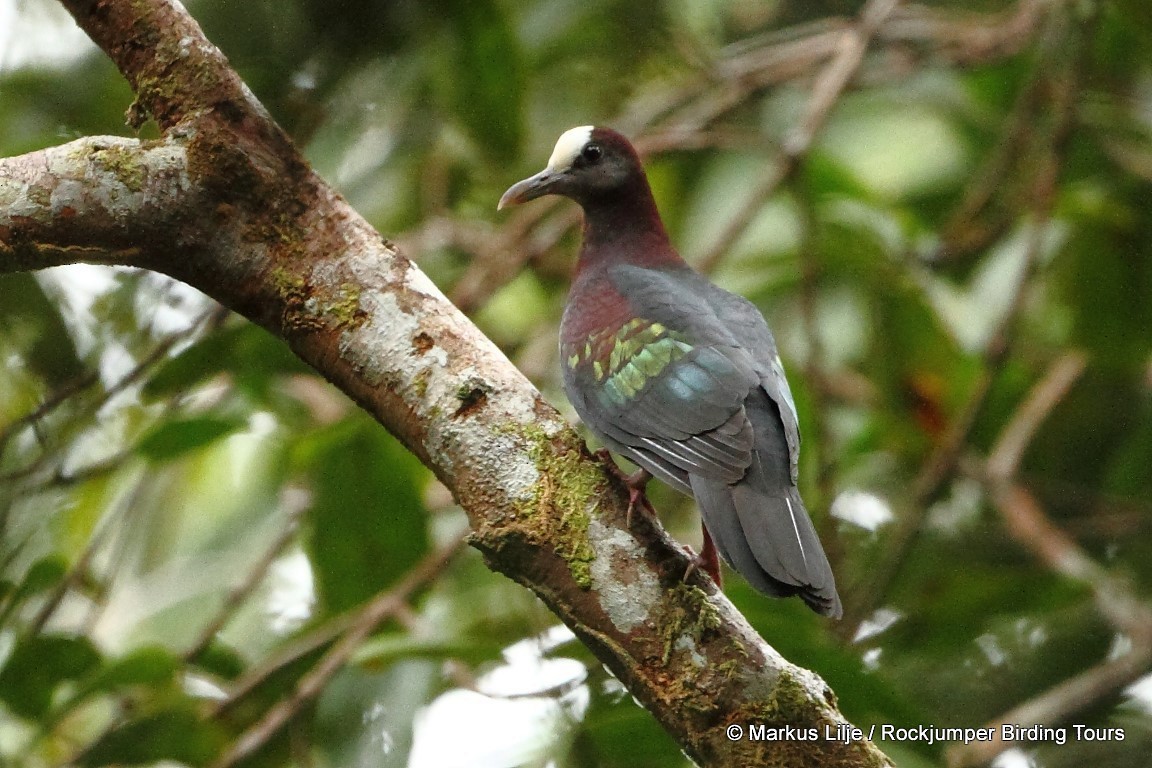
point(368, 523)
point(180, 436)
point(29, 317)
point(826, 176)
point(246, 352)
point(221, 660)
point(151, 665)
point(38, 665)
point(487, 78)
point(174, 734)
point(1106, 276)
point(43, 575)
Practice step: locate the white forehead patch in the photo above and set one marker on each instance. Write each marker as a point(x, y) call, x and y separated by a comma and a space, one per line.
point(568, 146)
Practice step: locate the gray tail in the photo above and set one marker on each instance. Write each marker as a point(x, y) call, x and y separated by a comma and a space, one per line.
point(761, 527)
point(770, 541)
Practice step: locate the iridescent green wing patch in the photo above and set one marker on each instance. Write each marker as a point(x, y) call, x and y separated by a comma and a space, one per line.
point(622, 363)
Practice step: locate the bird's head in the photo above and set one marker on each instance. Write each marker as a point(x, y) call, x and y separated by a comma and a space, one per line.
point(588, 164)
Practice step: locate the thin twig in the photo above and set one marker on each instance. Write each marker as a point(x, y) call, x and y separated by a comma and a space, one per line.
point(240, 593)
point(1024, 516)
point(942, 462)
point(310, 686)
point(962, 233)
point(969, 39)
point(293, 651)
point(1057, 704)
point(1004, 461)
point(55, 400)
point(159, 351)
point(497, 259)
point(1114, 599)
point(1027, 522)
point(80, 568)
point(680, 115)
point(830, 84)
point(96, 469)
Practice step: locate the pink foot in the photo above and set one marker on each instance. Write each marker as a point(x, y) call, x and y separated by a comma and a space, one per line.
point(708, 560)
point(635, 482)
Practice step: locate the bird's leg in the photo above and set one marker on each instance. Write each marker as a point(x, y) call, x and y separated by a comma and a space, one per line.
point(636, 482)
point(708, 559)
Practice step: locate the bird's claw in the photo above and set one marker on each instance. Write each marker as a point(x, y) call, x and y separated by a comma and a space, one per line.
point(636, 497)
point(635, 482)
point(708, 560)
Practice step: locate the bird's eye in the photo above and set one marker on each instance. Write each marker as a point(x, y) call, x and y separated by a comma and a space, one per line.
point(591, 152)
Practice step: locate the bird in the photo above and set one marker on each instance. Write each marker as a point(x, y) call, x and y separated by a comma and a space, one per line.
point(678, 375)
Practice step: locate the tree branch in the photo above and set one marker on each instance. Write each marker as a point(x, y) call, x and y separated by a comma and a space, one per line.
point(829, 85)
point(686, 116)
point(375, 613)
point(1042, 190)
point(225, 203)
point(1030, 525)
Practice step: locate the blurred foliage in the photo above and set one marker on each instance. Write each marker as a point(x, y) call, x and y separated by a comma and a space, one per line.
point(155, 454)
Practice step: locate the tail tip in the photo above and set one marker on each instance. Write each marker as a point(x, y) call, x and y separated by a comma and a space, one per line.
point(823, 603)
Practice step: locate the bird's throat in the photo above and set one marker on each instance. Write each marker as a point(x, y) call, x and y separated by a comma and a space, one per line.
point(627, 230)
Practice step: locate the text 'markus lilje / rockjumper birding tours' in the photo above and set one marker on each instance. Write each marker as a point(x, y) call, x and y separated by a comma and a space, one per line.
point(678, 375)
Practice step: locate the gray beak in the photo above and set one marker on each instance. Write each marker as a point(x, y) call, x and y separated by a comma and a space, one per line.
point(530, 188)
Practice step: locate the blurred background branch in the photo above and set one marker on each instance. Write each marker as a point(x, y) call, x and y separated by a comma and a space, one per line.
point(1115, 598)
